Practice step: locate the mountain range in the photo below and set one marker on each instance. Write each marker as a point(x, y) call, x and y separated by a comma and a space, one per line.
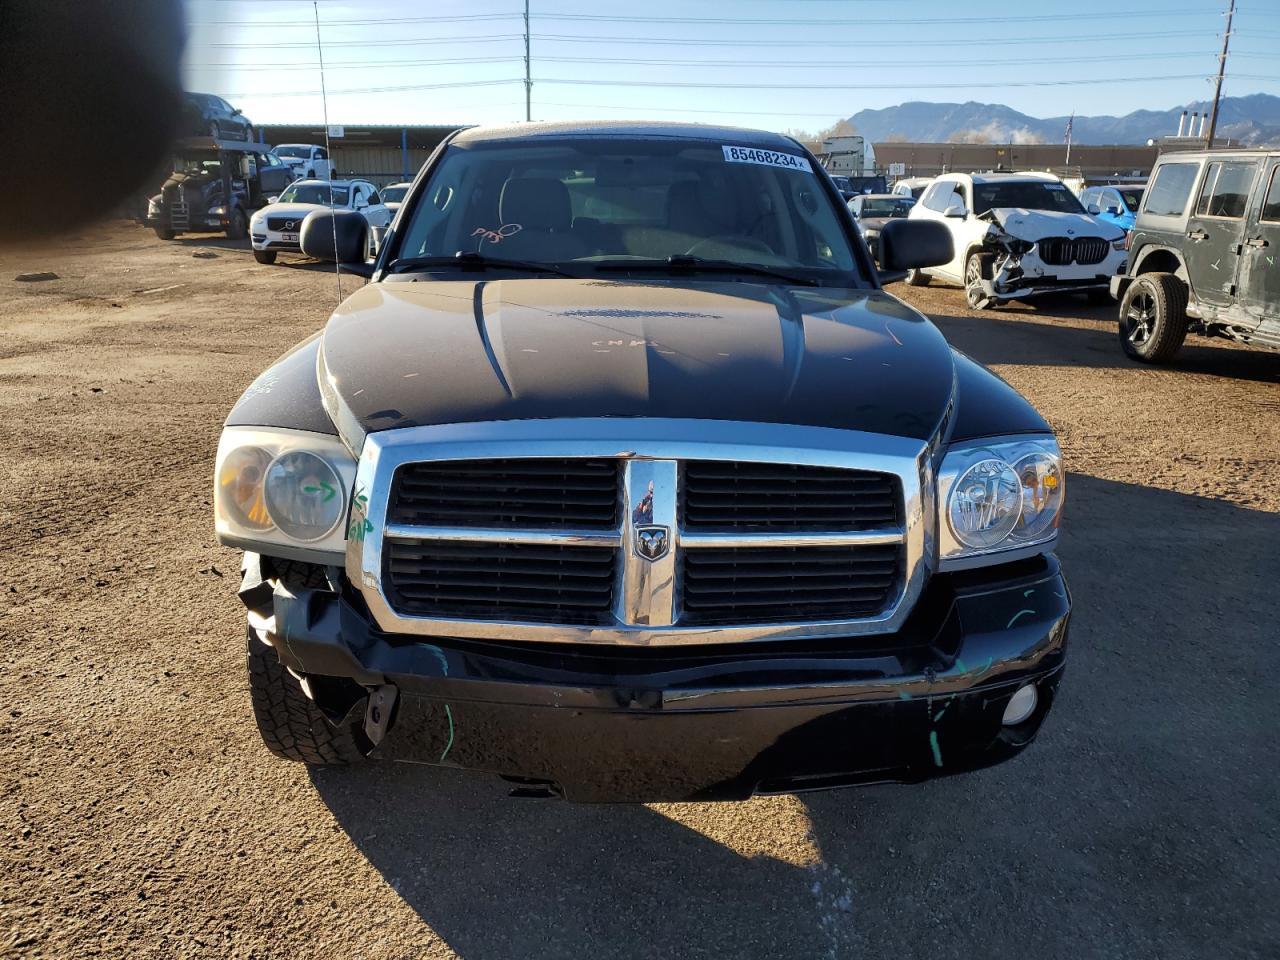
point(1253, 120)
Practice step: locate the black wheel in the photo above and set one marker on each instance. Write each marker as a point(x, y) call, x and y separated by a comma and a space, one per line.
point(238, 228)
point(977, 267)
point(265, 256)
point(291, 725)
point(1153, 317)
point(164, 233)
point(916, 278)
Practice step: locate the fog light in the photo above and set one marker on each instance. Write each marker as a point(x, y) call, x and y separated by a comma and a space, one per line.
point(1021, 705)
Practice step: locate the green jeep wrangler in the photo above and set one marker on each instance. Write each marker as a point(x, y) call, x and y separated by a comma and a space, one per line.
point(1203, 253)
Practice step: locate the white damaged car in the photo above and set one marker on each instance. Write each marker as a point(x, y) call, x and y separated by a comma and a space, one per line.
point(1017, 235)
point(277, 226)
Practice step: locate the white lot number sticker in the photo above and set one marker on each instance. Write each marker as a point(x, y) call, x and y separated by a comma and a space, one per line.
point(766, 158)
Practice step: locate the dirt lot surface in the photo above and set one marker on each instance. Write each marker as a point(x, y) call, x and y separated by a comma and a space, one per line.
point(140, 816)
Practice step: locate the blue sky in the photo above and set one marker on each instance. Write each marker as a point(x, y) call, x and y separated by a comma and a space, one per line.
point(777, 64)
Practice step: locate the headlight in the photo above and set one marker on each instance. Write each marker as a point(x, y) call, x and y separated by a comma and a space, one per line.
point(153, 207)
point(1121, 244)
point(217, 211)
point(283, 490)
point(996, 497)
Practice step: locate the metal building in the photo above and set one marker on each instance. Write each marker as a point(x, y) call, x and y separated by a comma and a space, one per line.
point(931, 159)
point(383, 153)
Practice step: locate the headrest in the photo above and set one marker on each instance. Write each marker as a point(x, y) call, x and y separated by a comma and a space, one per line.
point(536, 203)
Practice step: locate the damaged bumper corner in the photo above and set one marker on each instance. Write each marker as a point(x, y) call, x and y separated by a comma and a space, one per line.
point(602, 724)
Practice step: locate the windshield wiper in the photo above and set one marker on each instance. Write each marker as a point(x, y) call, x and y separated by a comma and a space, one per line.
point(682, 263)
point(470, 260)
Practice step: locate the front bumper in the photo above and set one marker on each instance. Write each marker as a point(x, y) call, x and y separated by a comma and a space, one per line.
point(263, 239)
point(720, 722)
point(1027, 276)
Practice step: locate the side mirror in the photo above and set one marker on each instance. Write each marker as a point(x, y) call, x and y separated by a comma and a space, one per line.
point(273, 199)
point(321, 228)
point(1113, 210)
point(910, 244)
point(956, 211)
point(1093, 209)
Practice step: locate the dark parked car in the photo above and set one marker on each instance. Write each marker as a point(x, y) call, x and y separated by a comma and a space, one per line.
point(874, 210)
point(625, 479)
point(204, 115)
point(1203, 254)
point(214, 187)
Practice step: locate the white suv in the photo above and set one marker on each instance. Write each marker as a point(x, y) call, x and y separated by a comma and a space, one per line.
point(1017, 235)
point(308, 160)
point(278, 225)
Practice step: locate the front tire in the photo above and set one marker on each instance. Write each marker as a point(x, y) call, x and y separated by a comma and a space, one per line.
point(977, 267)
point(291, 725)
point(164, 233)
point(237, 229)
point(265, 256)
point(1153, 317)
point(916, 278)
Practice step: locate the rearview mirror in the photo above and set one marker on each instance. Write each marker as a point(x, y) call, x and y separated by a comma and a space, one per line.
point(336, 236)
point(911, 244)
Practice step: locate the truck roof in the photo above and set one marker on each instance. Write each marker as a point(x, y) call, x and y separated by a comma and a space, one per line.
point(737, 136)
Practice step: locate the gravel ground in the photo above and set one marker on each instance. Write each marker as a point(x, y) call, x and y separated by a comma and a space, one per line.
point(142, 818)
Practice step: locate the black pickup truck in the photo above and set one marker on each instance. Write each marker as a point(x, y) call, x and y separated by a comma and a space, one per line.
point(625, 480)
point(214, 186)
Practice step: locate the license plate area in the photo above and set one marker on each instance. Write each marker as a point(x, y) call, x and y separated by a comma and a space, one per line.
point(289, 237)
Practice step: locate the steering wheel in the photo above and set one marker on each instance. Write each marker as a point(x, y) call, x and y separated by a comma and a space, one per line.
point(733, 242)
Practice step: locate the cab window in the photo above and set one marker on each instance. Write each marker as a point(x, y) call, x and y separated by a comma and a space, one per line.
point(1171, 189)
point(1271, 205)
point(1225, 193)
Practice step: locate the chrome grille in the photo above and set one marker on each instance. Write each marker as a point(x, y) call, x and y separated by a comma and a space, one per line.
point(788, 583)
point(729, 495)
point(542, 494)
point(629, 531)
point(285, 224)
point(460, 578)
point(1061, 251)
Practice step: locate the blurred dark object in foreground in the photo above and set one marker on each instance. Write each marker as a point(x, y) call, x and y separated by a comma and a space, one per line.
point(90, 92)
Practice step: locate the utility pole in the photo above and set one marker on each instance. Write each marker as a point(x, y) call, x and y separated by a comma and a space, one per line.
point(1222, 69)
point(529, 80)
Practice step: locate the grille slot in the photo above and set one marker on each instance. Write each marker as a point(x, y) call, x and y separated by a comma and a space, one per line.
point(500, 581)
point(535, 494)
point(1061, 251)
point(740, 584)
point(731, 496)
point(279, 224)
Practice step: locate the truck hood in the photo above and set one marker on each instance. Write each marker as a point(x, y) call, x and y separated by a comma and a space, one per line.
point(403, 353)
point(1033, 225)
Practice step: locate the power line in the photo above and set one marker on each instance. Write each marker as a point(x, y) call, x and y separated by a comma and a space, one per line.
point(865, 86)
point(862, 21)
point(392, 89)
point(661, 62)
point(879, 44)
point(488, 38)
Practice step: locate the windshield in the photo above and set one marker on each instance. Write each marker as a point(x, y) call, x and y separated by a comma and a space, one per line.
point(299, 152)
point(197, 166)
point(1132, 199)
point(887, 207)
point(1028, 194)
point(394, 194)
point(315, 193)
point(578, 204)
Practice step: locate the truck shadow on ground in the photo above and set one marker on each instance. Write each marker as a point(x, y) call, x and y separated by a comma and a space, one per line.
point(1142, 823)
point(1033, 337)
